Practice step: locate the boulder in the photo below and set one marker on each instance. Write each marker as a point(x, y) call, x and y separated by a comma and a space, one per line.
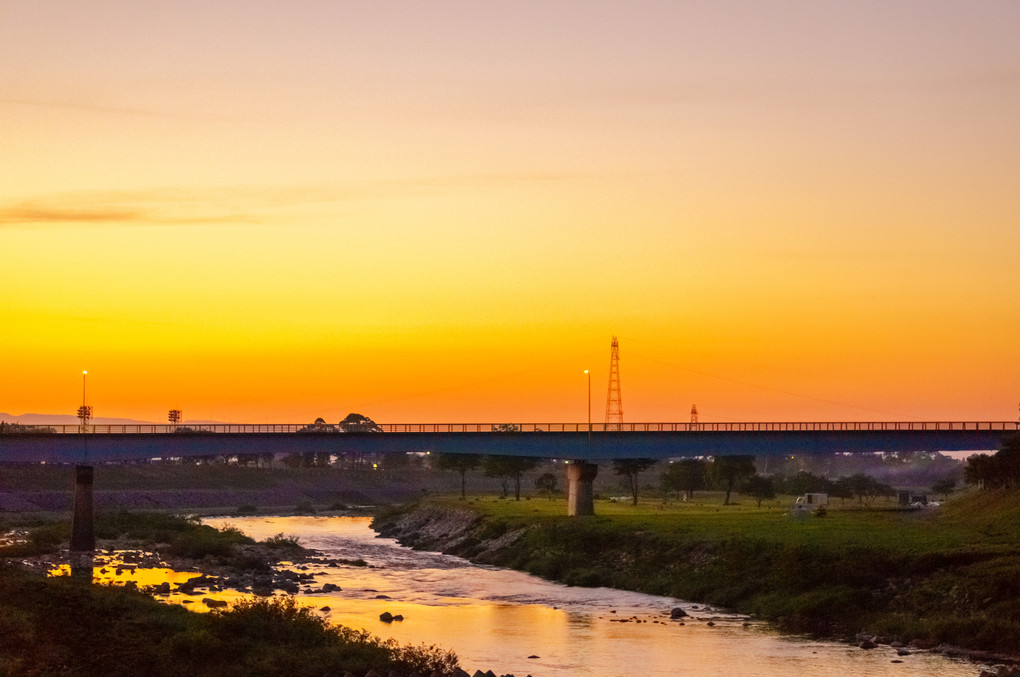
point(386, 617)
point(677, 612)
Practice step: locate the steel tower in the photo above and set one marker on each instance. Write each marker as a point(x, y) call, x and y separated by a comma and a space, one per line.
point(614, 406)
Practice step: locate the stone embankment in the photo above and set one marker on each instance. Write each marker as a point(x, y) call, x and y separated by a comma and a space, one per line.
point(448, 530)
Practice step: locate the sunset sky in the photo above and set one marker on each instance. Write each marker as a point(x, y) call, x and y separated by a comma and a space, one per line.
point(443, 211)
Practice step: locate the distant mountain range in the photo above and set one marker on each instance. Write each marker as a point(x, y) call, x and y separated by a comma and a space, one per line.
point(66, 419)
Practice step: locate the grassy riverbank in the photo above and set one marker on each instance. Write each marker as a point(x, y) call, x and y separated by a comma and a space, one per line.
point(950, 576)
point(62, 625)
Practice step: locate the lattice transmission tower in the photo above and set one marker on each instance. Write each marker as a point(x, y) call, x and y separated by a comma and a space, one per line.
point(614, 406)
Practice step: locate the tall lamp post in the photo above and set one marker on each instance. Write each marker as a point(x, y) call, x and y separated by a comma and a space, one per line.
point(84, 411)
point(588, 373)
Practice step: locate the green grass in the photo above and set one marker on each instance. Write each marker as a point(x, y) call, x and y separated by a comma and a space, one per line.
point(951, 575)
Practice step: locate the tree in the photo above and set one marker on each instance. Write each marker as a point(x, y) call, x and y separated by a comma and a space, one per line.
point(508, 468)
point(980, 471)
point(319, 426)
point(546, 483)
point(804, 483)
point(460, 463)
point(687, 475)
point(1000, 470)
point(759, 487)
point(729, 470)
point(356, 423)
point(866, 488)
point(945, 487)
point(629, 468)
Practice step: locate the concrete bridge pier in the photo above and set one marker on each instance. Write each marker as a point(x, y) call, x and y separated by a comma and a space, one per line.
point(580, 495)
point(83, 530)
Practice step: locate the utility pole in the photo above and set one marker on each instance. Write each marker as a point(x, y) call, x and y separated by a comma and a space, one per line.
point(614, 405)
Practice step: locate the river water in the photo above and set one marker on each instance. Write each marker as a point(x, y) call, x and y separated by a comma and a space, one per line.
point(511, 622)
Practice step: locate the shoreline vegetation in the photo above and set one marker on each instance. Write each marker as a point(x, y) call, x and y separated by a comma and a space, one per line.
point(65, 625)
point(946, 579)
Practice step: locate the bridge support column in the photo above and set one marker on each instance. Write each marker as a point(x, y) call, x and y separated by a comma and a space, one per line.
point(83, 531)
point(580, 495)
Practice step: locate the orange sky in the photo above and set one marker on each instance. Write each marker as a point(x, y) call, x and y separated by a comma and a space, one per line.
point(264, 211)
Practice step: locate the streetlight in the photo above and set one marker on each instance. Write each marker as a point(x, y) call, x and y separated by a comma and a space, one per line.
point(84, 411)
point(588, 373)
point(589, 399)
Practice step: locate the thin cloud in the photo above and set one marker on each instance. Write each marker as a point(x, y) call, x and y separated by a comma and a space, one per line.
point(171, 206)
point(44, 215)
point(112, 110)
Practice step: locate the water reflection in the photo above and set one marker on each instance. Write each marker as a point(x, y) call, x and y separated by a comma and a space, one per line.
point(511, 622)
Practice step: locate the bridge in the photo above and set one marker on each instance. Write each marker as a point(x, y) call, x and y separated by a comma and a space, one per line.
point(567, 441)
point(583, 445)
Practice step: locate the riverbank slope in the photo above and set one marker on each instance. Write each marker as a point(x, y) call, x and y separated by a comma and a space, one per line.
point(925, 578)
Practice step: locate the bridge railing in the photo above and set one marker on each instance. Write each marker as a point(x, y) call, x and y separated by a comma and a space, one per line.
point(513, 428)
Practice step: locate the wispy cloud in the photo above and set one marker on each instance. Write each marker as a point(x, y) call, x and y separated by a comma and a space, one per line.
point(41, 214)
point(236, 204)
point(102, 109)
point(29, 214)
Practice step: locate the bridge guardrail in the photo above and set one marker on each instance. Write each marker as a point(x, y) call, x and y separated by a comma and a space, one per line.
point(515, 428)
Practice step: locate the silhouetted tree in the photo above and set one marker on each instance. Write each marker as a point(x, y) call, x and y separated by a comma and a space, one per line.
point(546, 483)
point(1001, 470)
point(687, 475)
point(759, 487)
point(356, 423)
point(318, 426)
point(460, 463)
point(630, 468)
point(804, 483)
point(866, 488)
point(507, 469)
point(945, 487)
point(729, 470)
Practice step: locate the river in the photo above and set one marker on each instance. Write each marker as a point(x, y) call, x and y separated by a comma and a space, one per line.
point(511, 622)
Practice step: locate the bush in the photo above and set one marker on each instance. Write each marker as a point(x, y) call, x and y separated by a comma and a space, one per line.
point(281, 542)
point(57, 626)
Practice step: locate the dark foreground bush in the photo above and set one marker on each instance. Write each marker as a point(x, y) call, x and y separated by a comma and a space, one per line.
point(60, 626)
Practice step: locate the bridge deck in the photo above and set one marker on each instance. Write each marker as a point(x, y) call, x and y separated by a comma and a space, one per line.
point(748, 426)
point(112, 443)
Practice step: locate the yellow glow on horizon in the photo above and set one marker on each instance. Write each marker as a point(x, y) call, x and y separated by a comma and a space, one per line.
point(777, 223)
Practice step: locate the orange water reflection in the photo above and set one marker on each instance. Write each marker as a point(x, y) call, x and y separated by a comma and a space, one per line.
point(478, 613)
